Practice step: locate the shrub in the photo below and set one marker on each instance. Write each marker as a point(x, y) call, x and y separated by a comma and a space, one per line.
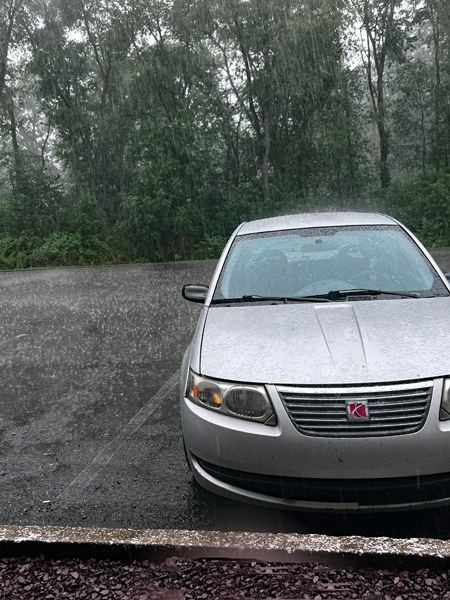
point(58, 249)
point(210, 248)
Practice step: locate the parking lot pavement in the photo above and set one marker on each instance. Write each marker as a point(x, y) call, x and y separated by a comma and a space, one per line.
point(82, 352)
point(90, 431)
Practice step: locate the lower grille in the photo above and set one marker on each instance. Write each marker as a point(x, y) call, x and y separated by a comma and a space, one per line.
point(394, 409)
point(364, 492)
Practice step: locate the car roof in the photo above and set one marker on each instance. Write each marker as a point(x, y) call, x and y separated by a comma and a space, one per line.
point(325, 219)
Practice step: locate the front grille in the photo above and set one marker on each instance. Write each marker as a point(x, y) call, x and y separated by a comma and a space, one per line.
point(394, 409)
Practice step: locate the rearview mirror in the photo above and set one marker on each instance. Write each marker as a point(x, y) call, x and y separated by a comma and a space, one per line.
point(195, 292)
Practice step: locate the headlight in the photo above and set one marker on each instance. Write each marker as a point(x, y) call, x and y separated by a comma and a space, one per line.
point(444, 413)
point(243, 401)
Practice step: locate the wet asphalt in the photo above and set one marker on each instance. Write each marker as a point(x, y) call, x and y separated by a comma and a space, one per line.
point(90, 431)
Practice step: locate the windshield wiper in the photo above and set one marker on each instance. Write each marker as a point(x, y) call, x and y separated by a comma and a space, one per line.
point(257, 298)
point(332, 296)
point(340, 294)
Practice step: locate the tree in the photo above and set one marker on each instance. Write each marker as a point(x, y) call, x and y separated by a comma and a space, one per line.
point(278, 58)
point(412, 115)
point(8, 14)
point(385, 26)
point(177, 148)
point(437, 15)
point(82, 80)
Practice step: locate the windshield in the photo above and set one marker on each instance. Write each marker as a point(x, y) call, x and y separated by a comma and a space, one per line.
point(316, 261)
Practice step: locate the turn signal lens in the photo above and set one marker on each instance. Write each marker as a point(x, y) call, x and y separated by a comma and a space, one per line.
point(208, 393)
point(204, 391)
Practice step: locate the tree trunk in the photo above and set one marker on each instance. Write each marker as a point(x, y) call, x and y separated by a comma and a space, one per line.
point(437, 89)
point(376, 148)
point(379, 46)
point(348, 120)
point(6, 41)
point(384, 152)
point(13, 126)
point(381, 122)
point(266, 154)
point(104, 174)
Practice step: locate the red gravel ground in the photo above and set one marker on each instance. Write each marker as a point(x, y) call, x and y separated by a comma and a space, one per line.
point(178, 579)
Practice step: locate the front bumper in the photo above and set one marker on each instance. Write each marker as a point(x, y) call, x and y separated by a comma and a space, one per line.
point(381, 493)
point(279, 466)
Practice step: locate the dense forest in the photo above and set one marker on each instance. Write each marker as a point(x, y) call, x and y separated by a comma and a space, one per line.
point(146, 130)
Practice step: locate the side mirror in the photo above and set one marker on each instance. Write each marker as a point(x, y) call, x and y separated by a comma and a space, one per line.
point(195, 292)
point(447, 276)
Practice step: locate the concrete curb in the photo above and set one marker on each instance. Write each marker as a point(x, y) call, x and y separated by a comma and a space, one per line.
point(156, 545)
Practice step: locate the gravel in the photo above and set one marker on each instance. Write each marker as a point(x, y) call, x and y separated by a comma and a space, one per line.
point(179, 579)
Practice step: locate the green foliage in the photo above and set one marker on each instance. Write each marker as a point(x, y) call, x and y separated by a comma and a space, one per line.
point(58, 248)
point(240, 205)
point(34, 204)
point(210, 248)
point(81, 217)
point(422, 203)
point(159, 215)
point(15, 253)
point(8, 253)
point(114, 148)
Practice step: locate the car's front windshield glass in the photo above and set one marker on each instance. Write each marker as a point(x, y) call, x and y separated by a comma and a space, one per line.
point(315, 261)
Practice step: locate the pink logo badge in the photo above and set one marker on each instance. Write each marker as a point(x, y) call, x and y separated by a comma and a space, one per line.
point(357, 411)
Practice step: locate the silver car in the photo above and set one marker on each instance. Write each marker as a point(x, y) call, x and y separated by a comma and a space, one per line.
point(319, 373)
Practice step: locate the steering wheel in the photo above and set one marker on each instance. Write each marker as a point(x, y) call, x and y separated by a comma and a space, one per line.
point(323, 286)
point(348, 249)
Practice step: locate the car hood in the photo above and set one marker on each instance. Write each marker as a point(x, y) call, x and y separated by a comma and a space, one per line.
point(332, 343)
